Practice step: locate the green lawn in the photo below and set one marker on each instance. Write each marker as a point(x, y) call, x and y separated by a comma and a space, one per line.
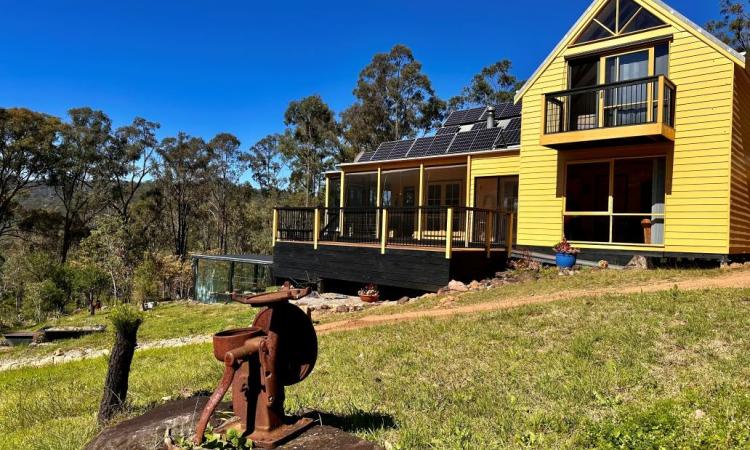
point(662, 370)
point(168, 320)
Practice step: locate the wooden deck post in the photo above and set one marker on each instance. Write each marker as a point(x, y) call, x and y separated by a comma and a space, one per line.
point(384, 232)
point(660, 101)
point(488, 234)
point(328, 191)
point(509, 237)
point(420, 202)
point(449, 235)
point(316, 228)
point(275, 227)
point(342, 197)
point(378, 204)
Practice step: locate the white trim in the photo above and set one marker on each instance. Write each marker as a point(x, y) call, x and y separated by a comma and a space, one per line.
point(698, 30)
point(510, 149)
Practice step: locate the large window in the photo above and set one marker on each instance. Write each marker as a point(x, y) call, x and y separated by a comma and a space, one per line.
point(616, 18)
point(616, 201)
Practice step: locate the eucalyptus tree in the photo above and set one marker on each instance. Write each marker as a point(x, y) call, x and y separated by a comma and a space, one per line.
point(226, 167)
point(309, 143)
point(27, 144)
point(181, 171)
point(265, 162)
point(127, 163)
point(492, 85)
point(394, 100)
point(734, 26)
point(83, 141)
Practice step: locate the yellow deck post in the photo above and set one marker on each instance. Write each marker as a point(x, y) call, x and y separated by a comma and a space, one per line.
point(342, 197)
point(449, 235)
point(316, 228)
point(469, 214)
point(660, 101)
point(384, 232)
point(420, 202)
point(328, 190)
point(509, 237)
point(488, 234)
point(275, 228)
point(378, 204)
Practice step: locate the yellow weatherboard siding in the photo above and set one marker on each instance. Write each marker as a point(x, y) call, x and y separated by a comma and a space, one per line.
point(740, 219)
point(492, 166)
point(698, 185)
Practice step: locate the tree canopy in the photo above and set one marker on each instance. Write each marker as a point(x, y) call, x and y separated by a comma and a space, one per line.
point(733, 28)
point(494, 84)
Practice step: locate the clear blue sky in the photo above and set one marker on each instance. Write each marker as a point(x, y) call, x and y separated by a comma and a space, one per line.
point(211, 66)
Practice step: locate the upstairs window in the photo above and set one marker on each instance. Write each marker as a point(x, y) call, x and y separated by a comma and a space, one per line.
point(616, 18)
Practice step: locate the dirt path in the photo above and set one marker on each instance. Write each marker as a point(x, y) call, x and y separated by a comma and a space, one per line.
point(739, 279)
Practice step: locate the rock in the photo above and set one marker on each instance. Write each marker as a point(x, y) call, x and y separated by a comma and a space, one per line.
point(58, 352)
point(699, 414)
point(342, 309)
point(447, 301)
point(603, 264)
point(639, 263)
point(428, 295)
point(356, 308)
point(178, 417)
point(457, 286)
point(324, 307)
point(475, 286)
point(403, 300)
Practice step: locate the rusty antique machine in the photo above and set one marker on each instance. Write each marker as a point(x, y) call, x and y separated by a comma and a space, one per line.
point(279, 349)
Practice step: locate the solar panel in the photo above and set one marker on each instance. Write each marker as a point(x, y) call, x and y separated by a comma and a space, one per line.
point(420, 147)
point(473, 115)
point(455, 118)
point(440, 144)
point(512, 137)
point(514, 124)
point(448, 130)
point(479, 126)
point(485, 139)
point(366, 156)
point(383, 151)
point(400, 150)
point(511, 111)
point(462, 142)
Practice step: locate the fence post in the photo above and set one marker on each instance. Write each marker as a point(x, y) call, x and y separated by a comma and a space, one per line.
point(488, 233)
point(449, 235)
point(275, 227)
point(509, 237)
point(384, 232)
point(316, 228)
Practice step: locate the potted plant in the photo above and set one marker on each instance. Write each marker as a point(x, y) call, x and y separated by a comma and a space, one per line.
point(565, 254)
point(369, 293)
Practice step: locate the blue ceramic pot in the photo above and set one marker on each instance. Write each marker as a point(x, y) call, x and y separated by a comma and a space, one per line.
point(565, 260)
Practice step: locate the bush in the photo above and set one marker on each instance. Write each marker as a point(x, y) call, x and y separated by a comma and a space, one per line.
point(125, 318)
point(146, 281)
point(45, 297)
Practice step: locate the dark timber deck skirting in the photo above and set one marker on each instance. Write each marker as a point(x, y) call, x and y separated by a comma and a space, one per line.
point(404, 268)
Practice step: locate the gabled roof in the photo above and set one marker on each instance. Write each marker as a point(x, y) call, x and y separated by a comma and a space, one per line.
point(463, 132)
point(657, 6)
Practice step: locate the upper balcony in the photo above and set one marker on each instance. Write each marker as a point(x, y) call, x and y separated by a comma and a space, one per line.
point(629, 111)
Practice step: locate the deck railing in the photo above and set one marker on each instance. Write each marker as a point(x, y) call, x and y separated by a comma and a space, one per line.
point(427, 227)
point(634, 102)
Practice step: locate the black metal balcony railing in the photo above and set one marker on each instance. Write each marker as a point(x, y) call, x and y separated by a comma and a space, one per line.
point(637, 102)
point(433, 227)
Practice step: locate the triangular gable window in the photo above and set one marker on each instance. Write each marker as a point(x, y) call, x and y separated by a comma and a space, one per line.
point(616, 18)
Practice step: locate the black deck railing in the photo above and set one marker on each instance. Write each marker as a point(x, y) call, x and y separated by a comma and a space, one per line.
point(431, 227)
point(635, 102)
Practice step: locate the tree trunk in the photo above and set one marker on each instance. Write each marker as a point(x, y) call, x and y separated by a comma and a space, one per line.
point(92, 306)
point(116, 384)
point(66, 240)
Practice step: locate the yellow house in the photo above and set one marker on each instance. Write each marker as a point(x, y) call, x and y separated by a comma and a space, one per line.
point(627, 140)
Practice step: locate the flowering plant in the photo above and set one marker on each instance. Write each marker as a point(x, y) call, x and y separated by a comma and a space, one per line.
point(565, 247)
point(369, 290)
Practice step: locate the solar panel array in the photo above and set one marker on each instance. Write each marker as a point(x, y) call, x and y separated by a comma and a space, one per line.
point(451, 140)
point(420, 147)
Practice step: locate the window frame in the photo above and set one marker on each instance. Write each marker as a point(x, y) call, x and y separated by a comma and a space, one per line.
point(610, 203)
point(615, 34)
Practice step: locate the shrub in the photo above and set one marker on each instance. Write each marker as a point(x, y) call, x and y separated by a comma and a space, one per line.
point(146, 281)
point(125, 318)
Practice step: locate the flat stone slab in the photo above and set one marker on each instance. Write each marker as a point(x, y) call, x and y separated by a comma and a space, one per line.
point(146, 432)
